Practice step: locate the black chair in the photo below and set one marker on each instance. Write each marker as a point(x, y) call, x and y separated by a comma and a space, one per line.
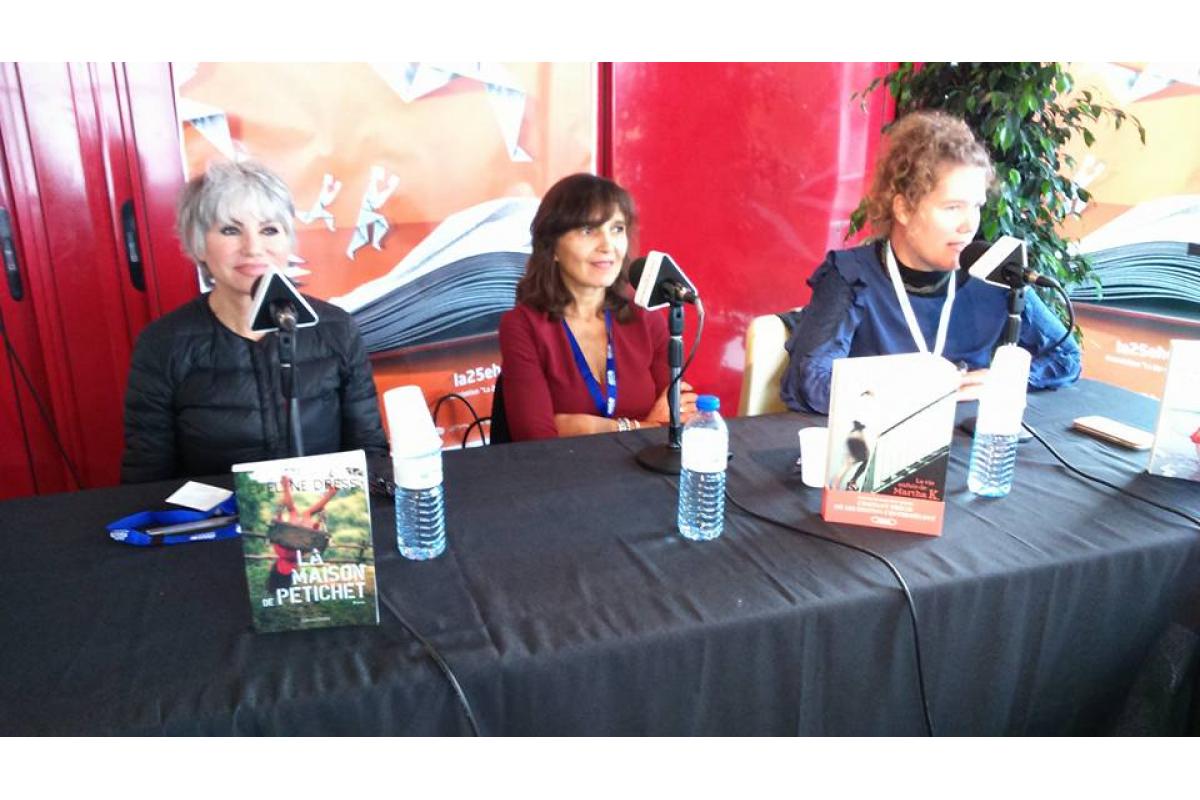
point(500, 433)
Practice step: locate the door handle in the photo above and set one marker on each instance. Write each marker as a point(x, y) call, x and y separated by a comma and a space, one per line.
point(133, 253)
point(12, 268)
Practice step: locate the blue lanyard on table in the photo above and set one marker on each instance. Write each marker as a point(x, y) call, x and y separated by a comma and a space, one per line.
point(177, 526)
point(605, 407)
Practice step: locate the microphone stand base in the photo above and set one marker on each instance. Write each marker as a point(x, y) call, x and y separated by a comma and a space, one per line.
point(660, 458)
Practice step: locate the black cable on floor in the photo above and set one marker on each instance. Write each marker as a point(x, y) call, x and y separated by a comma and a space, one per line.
point(1103, 482)
point(912, 609)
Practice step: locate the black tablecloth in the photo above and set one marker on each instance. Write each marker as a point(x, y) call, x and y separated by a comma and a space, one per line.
point(567, 603)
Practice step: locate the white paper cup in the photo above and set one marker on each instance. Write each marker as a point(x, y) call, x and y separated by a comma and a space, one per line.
point(409, 422)
point(814, 447)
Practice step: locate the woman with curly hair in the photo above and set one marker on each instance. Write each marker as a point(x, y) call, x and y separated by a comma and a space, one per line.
point(903, 292)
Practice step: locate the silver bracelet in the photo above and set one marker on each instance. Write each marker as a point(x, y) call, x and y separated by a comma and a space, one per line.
point(622, 424)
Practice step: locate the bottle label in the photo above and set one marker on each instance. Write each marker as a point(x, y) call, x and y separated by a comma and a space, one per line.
point(704, 450)
point(419, 472)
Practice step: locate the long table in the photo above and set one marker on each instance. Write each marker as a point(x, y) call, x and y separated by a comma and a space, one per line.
point(566, 603)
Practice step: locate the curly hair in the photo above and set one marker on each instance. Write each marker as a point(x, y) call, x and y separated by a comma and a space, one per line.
point(575, 201)
point(919, 146)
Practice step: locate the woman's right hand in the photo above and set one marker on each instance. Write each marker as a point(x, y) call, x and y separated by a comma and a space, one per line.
point(660, 412)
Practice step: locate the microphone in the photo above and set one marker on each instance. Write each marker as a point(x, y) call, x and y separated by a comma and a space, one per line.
point(278, 305)
point(658, 281)
point(284, 314)
point(1002, 264)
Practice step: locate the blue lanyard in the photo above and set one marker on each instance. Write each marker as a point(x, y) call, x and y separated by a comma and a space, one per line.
point(603, 406)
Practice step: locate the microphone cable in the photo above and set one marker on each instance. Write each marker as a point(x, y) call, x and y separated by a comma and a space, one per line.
point(1070, 467)
point(477, 420)
point(14, 358)
point(448, 673)
point(383, 485)
point(1056, 286)
point(912, 609)
point(467, 433)
point(908, 599)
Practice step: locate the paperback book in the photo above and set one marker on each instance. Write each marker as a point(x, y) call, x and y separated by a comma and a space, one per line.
point(891, 419)
point(306, 541)
point(1176, 451)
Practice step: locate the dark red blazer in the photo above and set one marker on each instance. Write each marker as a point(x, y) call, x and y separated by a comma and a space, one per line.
point(541, 378)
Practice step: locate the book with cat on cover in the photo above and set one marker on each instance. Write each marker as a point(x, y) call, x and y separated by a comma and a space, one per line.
point(891, 419)
point(306, 540)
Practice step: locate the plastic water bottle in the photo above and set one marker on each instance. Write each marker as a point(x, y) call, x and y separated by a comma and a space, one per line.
point(993, 463)
point(417, 468)
point(702, 477)
point(1001, 406)
point(420, 510)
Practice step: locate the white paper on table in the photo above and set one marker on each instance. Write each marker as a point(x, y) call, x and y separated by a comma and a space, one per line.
point(199, 496)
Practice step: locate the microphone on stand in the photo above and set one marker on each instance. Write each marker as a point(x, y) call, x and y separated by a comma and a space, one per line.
point(284, 315)
point(1003, 263)
point(279, 306)
point(659, 282)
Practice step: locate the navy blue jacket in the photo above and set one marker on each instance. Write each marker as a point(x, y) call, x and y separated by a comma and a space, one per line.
point(854, 312)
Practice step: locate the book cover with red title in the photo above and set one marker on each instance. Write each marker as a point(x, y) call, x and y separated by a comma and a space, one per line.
point(891, 419)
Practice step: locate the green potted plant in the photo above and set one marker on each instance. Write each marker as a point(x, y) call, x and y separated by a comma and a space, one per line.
point(1024, 112)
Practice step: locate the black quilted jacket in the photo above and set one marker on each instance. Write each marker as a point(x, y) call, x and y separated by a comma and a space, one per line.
point(201, 398)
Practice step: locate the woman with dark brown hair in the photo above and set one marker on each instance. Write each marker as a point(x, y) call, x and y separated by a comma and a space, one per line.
point(578, 356)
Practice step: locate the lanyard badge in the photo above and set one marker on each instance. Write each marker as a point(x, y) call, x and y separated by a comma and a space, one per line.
point(605, 406)
point(939, 343)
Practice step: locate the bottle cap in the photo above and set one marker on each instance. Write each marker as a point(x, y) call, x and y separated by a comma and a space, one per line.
point(708, 402)
point(409, 423)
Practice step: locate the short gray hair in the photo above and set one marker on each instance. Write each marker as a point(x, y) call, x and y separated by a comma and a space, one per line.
point(224, 189)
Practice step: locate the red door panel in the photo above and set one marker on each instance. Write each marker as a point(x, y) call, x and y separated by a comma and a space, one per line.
point(156, 167)
point(30, 458)
point(746, 174)
point(61, 172)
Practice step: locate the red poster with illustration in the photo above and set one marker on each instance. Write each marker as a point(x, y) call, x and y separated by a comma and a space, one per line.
point(415, 184)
